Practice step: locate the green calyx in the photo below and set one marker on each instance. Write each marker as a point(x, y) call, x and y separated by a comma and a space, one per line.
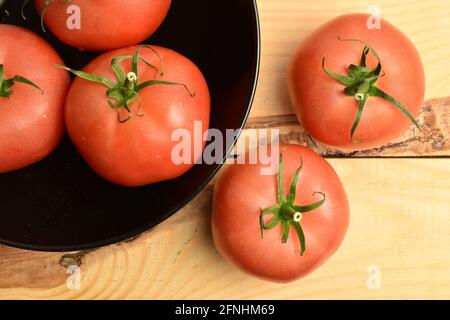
point(7, 84)
point(126, 90)
point(361, 84)
point(44, 10)
point(285, 212)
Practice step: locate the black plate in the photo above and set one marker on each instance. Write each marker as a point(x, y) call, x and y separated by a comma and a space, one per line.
point(59, 204)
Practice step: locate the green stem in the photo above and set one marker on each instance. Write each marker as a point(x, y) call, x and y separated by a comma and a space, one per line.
point(7, 84)
point(288, 212)
point(126, 90)
point(285, 212)
point(360, 83)
point(44, 11)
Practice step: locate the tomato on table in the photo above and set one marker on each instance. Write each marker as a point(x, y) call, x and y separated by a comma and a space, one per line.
point(104, 24)
point(124, 107)
point(280, 227)
point(32, 94)
point(356, 88)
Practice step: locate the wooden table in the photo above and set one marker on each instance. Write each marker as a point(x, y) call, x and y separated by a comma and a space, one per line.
point(400, 207)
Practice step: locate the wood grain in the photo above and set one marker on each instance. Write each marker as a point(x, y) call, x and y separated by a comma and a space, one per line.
point(400, 208)
point(399, 222)
point(433, 140)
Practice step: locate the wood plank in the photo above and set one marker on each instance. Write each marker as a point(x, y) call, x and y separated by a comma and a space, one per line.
point(399, 223)
point(434, 140)
point(400, 208)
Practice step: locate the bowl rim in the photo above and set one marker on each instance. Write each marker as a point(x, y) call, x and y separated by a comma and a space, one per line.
point(147, 227)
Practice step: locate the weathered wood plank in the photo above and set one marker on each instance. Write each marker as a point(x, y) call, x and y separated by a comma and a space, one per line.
point(434, 140)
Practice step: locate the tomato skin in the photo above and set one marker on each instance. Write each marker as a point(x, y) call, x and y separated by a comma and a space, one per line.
point(319, 101)
point(105, 24)
point(31, 124)
point(240, 193)
point(137, 152)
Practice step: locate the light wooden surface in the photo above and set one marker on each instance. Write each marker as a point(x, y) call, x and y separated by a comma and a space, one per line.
point(400, 208)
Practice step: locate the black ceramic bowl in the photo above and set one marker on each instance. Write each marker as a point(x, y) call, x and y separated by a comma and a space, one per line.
point(60, 204)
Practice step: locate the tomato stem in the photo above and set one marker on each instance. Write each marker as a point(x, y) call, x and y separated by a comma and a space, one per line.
point(290, 213)
point(298, 216)
point(44, 10)
point(132, 77)
point(126, 90)
point(285, 212)
point(361, 84)
point(22, 10)
point(7, 84)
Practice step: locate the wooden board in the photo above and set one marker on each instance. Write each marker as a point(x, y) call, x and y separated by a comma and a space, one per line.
point(432, 141)
point(399, 234)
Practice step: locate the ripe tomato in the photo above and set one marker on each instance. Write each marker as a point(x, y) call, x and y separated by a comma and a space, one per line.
point(311, 221)
point(31, 121)
point(104, 24)
point(125, 135)
point(356, 115)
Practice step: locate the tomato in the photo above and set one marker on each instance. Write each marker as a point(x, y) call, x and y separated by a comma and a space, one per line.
point(297, 236)
point(31, 121)
point(374, 106)
point(130, 143)
point(104, 24)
